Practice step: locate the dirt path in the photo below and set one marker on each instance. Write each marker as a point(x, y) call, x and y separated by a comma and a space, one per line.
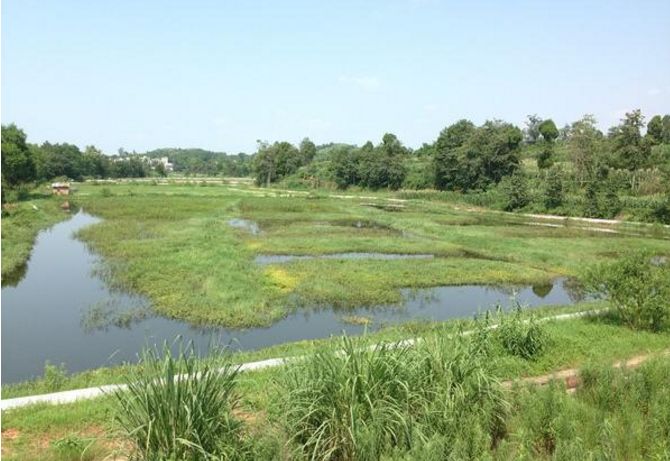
point(571, 378)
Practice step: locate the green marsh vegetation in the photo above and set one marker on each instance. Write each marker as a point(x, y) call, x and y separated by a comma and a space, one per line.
point(207, 273)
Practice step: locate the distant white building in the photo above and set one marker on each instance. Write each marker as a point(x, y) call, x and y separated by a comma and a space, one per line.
point(166, 164)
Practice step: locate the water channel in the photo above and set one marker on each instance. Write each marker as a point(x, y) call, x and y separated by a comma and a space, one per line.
point(61, 311)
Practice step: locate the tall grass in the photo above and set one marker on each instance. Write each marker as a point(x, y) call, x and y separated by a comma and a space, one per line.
point(366, 403)
point(522, 335)
point(178, 407)
point(615, 414)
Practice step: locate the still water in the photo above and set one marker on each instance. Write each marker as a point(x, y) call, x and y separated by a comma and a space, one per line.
point(62, 312)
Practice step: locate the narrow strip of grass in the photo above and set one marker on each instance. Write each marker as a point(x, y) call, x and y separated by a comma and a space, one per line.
point(21, 222)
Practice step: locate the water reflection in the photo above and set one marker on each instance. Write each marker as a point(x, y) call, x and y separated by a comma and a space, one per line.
point(542, 290)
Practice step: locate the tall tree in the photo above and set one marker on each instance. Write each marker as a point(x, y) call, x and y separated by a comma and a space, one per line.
point(445, 160)
point(666, 129)
point(629, 147)
point(655, 130)
point(532, 130)
point(307, 150)
point(549, 134)
point(274, 161)
point(383, 165)
point(17, 162)
point(473, 158)
point(586, 148)
point(553, 190)
point(345, 165)
point(95, 163)
point(61, 160)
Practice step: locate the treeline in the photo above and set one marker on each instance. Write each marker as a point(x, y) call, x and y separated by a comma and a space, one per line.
point(23, 162)
point(577, 169)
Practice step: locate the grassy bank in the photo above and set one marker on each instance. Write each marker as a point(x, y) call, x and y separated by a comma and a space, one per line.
point(31, 432)
point(207, 270)
point(21, 222)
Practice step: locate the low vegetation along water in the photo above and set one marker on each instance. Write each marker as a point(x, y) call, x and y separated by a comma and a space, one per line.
point(63, 312)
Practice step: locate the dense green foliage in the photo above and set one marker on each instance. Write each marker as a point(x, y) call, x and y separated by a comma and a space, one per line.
point(369, 403)
point(638, 286)
point(17, 164)
point(624, 173)
point(579, 170)
point(614, 414)
point(204, 162)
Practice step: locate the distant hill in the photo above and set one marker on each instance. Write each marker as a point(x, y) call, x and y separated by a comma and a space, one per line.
point(201, 161)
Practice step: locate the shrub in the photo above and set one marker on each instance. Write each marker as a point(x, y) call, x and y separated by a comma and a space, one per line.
point(637, 289)
point(660, 212)
point(515, 191)
point(178, 407)
point(553, 191)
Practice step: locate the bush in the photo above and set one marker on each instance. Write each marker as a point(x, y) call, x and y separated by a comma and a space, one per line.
point(661, 211)
point(178, 407)
point(553, 191)
point(638, 289)
point(515, 191)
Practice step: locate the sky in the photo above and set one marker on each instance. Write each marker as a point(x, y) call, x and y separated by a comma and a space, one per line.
point(221, 75)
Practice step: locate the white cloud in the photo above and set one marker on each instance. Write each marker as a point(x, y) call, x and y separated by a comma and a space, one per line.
point(367, 83)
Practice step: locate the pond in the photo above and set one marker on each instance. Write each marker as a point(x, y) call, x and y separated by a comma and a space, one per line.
point(62, 312)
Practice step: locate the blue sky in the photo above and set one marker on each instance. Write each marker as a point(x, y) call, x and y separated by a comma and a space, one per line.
point(222, 74)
